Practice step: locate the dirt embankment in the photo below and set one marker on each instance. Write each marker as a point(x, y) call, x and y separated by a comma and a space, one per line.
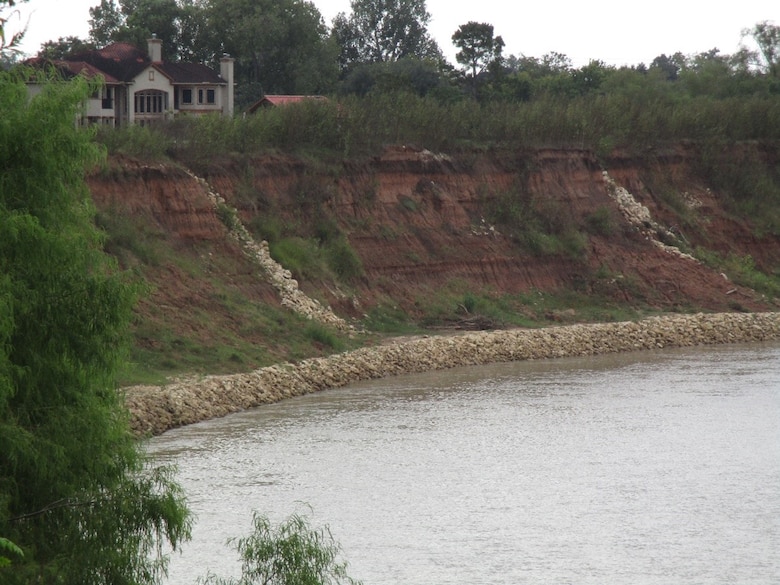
point(421, 223)
point(155, 410)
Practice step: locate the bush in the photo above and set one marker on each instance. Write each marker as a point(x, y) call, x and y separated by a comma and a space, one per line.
point(323, 335)
point(343, 260)
point(292, 553)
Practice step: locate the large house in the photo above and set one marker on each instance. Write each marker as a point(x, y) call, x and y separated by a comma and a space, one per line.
point(140, 88)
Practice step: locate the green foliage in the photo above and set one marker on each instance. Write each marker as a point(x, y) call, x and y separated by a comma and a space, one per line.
point(323, 335)
point(389, 318)
point(8, 548)
point(282, 44)
point(75, 492)
point(542, 227)
point(298, 255)
point(631, 110)
point(420, 77)
point(64, 47)
point(228, 216)
point(291, 553)
point(601, 221)
point(741, 270)
point(409, 204)
point(9, 43)
point(750, 183)
point(380, 31)
point(129, 239)
point(343, 260)
point(479, 49)
point(767, 37)
point(142, 142)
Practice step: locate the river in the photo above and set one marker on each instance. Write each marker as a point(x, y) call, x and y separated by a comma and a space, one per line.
point(651, 467)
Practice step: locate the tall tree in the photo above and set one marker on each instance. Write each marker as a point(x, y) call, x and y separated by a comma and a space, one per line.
point(767, 37)
point(478, 47)
point(283, 45)
point(385, 30)
point(75, 492)
point(135, 21)
point(670, 66)
point(63, 47)
point(105, 23)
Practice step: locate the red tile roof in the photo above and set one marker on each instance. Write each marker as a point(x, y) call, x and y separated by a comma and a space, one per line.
point(281, 100)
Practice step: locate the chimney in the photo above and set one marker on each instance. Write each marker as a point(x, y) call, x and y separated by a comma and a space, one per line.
point(226, 71)
point(155, 49)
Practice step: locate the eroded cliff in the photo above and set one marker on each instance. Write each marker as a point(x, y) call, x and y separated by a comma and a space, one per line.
point(500, 223)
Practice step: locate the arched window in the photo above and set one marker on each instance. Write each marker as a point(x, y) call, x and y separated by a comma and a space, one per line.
point(151, 101)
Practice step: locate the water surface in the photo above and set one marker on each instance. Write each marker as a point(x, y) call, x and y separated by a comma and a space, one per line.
point(650, 467)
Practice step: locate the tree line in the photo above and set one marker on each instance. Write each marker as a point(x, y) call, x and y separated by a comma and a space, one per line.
point(381, 46)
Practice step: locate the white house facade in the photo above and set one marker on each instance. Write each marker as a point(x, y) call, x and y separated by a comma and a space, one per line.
point(141, 88)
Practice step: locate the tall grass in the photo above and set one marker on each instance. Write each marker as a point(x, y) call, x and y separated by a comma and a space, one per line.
point(354, 127)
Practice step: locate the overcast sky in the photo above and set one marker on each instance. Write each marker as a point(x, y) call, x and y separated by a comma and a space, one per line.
point(614, 31)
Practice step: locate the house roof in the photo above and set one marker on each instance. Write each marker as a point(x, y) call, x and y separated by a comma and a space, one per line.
point(189, 73)
point(70, 69)
point(270, 101)
point(89, 71)
point(122, 62)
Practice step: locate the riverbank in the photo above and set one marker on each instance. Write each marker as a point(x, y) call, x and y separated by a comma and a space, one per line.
point(154, 409)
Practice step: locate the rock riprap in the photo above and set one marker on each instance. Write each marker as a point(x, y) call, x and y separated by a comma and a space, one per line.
point(155, 409)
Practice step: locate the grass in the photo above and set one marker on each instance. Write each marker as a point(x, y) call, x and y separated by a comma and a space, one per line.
point(741, 270)
point(199, 318)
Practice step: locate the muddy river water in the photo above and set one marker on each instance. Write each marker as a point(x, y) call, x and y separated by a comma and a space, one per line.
point(642, 468)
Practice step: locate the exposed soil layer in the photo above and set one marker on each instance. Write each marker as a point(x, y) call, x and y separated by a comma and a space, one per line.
point(419, 221)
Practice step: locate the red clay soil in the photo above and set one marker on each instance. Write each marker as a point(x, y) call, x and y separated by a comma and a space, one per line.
point(420, 221)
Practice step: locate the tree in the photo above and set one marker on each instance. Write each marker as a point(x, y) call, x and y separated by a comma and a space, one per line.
point(412, 76)
point(479, 49)
point(105, 23)
point(767, 37)
point(380, 31)
point(283, 45)
point(64, 47)
point(135, 21)
point(292, 553)
point(76, 494)
point(669, 66)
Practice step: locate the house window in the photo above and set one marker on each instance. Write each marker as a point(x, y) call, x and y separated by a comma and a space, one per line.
point(186, 96)
point(108, 101)
point(206, 96)
point(150, 102)
point(151, 75)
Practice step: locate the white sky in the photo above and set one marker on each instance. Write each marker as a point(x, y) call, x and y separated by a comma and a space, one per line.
point(614, 31)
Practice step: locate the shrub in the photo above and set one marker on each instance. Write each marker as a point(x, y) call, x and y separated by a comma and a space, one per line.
point(292, 553)
point(343, 260)
point(601, 222)
point(321, 334)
